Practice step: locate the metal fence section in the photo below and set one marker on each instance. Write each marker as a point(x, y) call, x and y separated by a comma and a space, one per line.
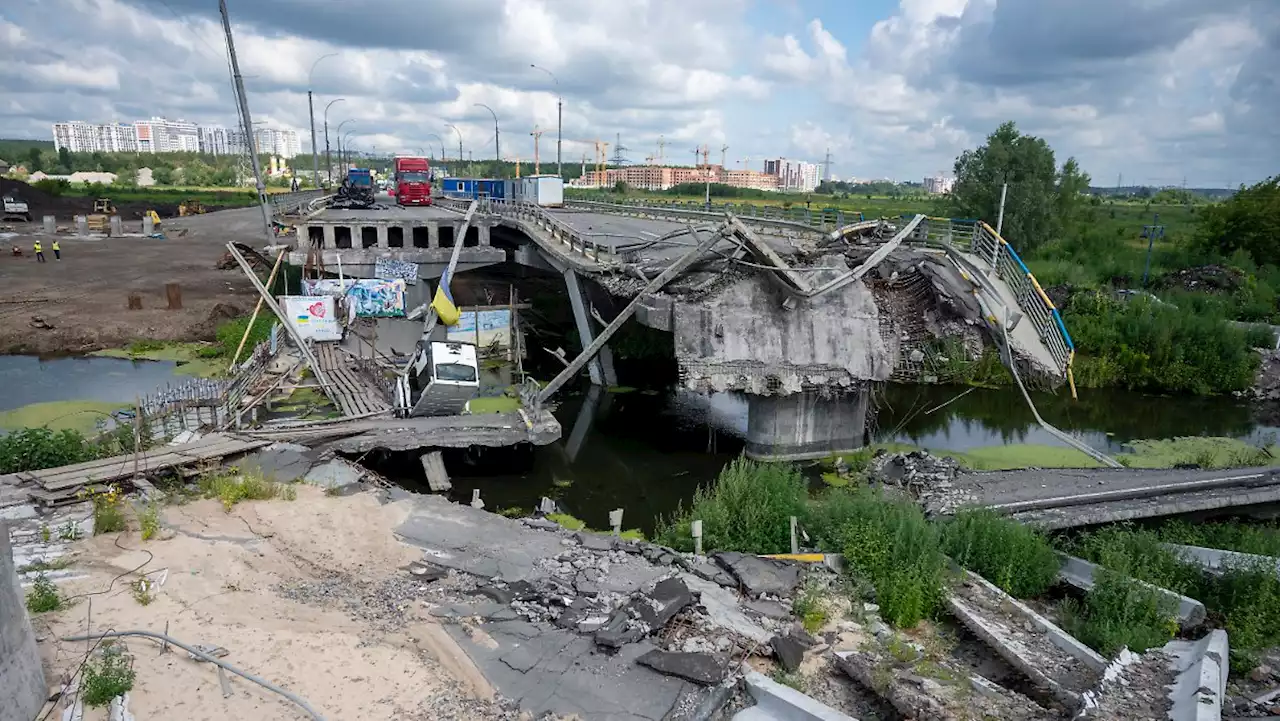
point(206, 403)
point(294, 204)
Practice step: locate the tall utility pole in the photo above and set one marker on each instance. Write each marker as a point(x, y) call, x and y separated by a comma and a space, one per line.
point(559, 117)
point(1004, 189)
point(497, 141)
point(311, 110)
point(248, 124)
point(826, 166)
point(723, 150)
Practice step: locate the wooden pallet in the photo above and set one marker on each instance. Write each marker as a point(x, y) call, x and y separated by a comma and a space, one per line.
point(60, 485)
point(354, 395)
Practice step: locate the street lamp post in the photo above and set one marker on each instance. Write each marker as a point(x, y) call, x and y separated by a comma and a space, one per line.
point(559, 117)
point(459, 132)
point(328, 160)
point(438, 140)
point(338, 133)
point(311, 110)
point(346, 150)
point(497, 143)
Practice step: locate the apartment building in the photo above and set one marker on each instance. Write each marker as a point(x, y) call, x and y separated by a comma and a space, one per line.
point(793, 175)
point(939, 184)
point(75, 136)
point(161, 135)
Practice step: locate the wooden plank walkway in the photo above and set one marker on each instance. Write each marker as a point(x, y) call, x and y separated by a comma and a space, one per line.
point(53, 485)
point(354, 395)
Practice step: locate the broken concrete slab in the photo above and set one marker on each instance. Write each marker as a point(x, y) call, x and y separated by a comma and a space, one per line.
point(487, 610)
point(723, 611)
point(334, 474)
point(1217, 561)
point(280, 462)
point(702, 668)
point(618, 631)
point(789, 651)
point(775, 702)
point(1081, 573)
point(471, 540)
point(1133, 687)
point(557, 671)
point(1200, 685)
point(669, 597)
point(768, 609)
point(759, 575)
point(595, 541)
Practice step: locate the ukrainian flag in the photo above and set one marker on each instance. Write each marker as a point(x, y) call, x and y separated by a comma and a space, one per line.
point(442, 303)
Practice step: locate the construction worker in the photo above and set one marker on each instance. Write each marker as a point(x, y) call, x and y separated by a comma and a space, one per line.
point(57, 252)
point(39, 249)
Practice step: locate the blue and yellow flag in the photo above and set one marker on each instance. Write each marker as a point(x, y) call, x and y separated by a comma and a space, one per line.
point(443, 302)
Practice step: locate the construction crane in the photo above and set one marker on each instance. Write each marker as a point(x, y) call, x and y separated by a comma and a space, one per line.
point(723, 149)
point(601, 157)
point(662, 146)
point(537, 164)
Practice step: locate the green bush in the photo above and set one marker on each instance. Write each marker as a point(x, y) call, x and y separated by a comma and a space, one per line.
point(1118, 613)
point(43, 596)
point(890, 544)
point(106, 677)
point(229, 333)
point(31, 449)
point(1012, 555)
point(1146, 345)
point(231, 487)
point(747, 509)
point(1262, 539)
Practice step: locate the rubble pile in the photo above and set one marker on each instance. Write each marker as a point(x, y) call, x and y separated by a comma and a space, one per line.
point(1266, 385)
point(1205, 278)
point(928, 478)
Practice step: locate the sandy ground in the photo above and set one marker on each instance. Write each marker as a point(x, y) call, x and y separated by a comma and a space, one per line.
point(84, 296)
point(225, 572)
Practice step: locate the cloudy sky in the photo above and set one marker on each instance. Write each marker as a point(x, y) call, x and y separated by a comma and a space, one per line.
point(1156, 90)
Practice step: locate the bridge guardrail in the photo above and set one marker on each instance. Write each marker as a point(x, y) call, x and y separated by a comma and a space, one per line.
point(577, 242)
point(981, 240)
point(283, 204)
point(783, 218)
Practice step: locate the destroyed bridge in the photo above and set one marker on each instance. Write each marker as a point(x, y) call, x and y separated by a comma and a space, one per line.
point(800, 310)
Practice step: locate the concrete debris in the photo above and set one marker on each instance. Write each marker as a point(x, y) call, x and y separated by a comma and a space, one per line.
point(1080, 573)
point(595, 541)
point(768, 609)
point(758, 575)
point(669, 597)
point(335, 474)
point(1200, 685)
point(775, 702)
point(789, 651)
point(1132, 687)
point(724, 612)
point(701, 668)
point(928, 478)
point(1049, 656)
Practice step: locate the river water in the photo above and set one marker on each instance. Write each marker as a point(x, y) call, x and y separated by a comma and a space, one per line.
point(28, 379)
point(646, 451)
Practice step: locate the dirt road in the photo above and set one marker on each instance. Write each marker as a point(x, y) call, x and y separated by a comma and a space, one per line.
point(83, 298)
point(369, 651)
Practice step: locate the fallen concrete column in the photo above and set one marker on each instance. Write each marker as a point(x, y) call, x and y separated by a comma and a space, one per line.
point(1201, 681)
point(600, 367)
point(1081, 574)
point(437, 476)
point(22, 687)
point(1218, 561)
point(1052, 658)
point(775, 702)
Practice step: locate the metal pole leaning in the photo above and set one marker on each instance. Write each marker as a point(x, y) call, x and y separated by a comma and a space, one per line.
point(256, 309)
point(654, 285)
point(293, 332)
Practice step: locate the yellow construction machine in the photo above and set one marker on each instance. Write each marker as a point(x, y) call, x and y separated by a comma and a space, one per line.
point(104, 206)
point(190, 207)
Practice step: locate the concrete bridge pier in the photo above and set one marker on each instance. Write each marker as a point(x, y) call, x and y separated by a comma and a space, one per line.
point(806, 425)
point(600, 367)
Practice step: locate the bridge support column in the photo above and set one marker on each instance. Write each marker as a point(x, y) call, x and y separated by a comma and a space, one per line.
point(382, 236)
point(433, 234)
point(482, 234)
point(805, 425)
point(328, 237)
point(600, 368)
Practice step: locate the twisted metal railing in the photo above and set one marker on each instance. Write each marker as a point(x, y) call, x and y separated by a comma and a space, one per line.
point(998, 257)
point(587, 246)
point(295, 203)
point(784, 219)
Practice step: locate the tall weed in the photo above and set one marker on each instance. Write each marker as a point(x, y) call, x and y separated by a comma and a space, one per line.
point(747, 509)
point(891, 545)
point(1012, 555)
point(1119, 613)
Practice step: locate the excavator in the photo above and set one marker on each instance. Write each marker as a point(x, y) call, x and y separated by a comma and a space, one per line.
point(190, 207)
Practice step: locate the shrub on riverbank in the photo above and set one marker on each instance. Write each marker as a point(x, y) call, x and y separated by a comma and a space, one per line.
point(747, 509)
point(31, 449)
point(890, 544)
point(1143, 344)
point(1012, 555)
point(1119, 613)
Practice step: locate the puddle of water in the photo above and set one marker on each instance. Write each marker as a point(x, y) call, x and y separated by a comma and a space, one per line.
point(30, 379)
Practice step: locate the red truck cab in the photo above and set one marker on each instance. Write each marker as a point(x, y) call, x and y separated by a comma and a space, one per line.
point(412, 181)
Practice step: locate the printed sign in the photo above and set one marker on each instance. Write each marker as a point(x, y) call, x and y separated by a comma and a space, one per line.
point(312, 316)
point(388, 269)
point(495, 325)
point(371, 297)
